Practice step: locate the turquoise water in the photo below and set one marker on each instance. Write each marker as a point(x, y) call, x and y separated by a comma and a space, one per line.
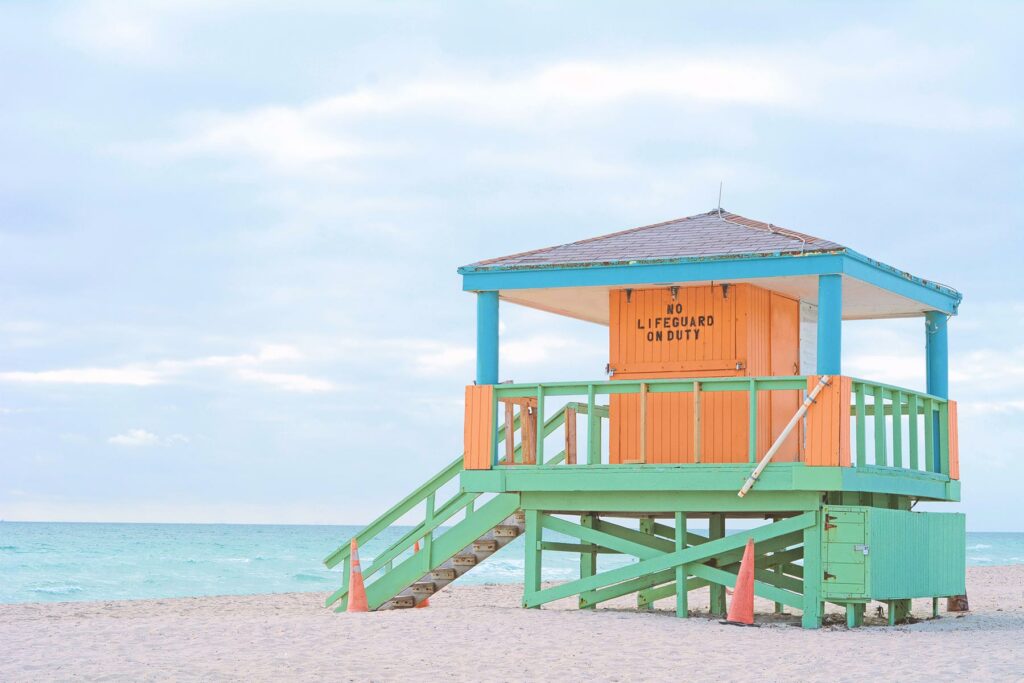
point(49, 562)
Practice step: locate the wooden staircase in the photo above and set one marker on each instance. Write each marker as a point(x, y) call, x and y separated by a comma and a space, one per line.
point(460, 563)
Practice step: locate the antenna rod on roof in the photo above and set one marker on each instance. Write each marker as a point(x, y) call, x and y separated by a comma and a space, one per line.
point(719, 198)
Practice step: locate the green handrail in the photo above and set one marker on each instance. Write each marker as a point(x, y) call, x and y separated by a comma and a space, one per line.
point(426, 492)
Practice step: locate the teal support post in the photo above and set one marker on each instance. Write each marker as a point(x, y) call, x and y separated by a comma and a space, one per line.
point(936, 345)
point(716, 529)
point(682, 606)
point(830, 324)
point(643, 597)
point(533, 556)
point(813, 573)
point(588, 561)
point(487, 338)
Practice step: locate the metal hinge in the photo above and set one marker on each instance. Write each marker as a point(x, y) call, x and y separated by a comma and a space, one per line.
point(829, 518)
point(829, 576)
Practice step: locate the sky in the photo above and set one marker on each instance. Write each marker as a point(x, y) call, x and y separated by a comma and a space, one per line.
point(229, 232)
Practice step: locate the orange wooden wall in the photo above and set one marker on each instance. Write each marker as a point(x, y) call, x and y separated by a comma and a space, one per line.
point(478, 427)
point(704, 331)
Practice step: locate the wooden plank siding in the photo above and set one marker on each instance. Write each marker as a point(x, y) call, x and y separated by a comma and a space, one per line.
point(478, 430)
point(737, 343)
point(828, 423)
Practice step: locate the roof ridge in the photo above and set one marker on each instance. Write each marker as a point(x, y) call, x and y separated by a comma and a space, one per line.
point(597, 238)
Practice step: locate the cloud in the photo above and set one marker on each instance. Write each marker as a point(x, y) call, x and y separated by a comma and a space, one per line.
point(135, 438)
point(243, 367)
point(129, 376)
point(865, 76)
point(139, 438)
point(287, 381)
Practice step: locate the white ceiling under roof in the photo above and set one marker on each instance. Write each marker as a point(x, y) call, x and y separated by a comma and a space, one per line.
point(861, 300)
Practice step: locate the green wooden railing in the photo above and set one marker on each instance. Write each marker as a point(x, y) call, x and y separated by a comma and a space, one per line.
point(429, 528)
point(908, 429)
point(891, 426)
point(591, 390)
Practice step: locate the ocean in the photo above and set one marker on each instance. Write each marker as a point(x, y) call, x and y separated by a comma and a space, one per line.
point(53, 562)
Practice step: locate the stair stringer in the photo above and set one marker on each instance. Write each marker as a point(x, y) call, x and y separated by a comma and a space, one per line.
point(444, 547)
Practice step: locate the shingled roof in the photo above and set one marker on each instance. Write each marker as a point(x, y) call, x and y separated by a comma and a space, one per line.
point(715, 234)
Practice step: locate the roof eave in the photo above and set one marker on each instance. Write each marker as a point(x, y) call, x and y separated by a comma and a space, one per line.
point(755, 265)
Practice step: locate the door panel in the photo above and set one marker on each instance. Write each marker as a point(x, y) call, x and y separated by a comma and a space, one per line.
point(785, 360)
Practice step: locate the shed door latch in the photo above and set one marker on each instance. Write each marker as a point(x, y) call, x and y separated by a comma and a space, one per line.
point(862, 548)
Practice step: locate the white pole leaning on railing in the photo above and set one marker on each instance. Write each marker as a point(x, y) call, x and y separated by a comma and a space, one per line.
point(752, 479)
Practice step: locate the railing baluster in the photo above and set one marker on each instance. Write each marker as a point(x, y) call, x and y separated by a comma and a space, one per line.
point(510, 437)
point(881, 458)
point(593, 430)
point(944, 438)
point(752, 423)
point(428, 517)
point(912, 410)
point(897, 429)
point(569, 425)
point(929, 436)
point(643, 422)
point(540, 425)
point(696, 422)
point(861, 426)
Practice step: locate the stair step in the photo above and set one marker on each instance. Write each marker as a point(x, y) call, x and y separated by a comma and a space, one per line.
point(424, 588)
point(443, 574)
point(520, 517)
point(464, 560)
point(485, 546)
point(404, 601)
point(506, 531)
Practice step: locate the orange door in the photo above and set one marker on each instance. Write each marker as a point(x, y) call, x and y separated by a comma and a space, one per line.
point(785, 360)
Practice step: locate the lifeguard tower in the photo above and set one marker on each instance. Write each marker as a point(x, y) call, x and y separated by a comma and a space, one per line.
point(724, 401)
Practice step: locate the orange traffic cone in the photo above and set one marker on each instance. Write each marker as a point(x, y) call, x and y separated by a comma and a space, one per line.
point(741, 609)
point(426, 601)
point(356, 588)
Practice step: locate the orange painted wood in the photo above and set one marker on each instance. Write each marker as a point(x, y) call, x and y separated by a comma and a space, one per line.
point(734, 340)
point(784, 359)
point(954, 442)
point(828, 423)
point(478, 430)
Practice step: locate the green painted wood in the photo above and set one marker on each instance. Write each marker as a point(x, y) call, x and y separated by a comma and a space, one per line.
point(716, 530)
point(944, 439)
point(655, 386)
point(405, 543)
point(860, 426)
point(897, 429)
point(533, 566)
point(854, 614)
point(752, 422)
point(446, 544)
point(682, 603)
point(912, 409)
point(582, 548)
point(878, 412)
point(670, 560)
point(813, 571)
point(600, 537)
point(765, 590)
point(403, 506)
point(643, 601)
point(540, 420)
point(929, 435)
point(588, 561)
point(593, 430)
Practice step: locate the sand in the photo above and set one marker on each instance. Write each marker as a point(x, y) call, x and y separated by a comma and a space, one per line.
point(478, 633)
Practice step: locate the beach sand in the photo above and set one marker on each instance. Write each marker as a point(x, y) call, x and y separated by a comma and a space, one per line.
point(476, 633)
